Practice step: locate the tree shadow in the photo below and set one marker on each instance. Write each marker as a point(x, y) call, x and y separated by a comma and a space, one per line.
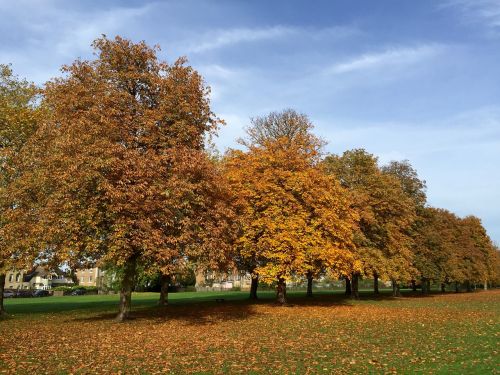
point(210, 312)
point(203, 313)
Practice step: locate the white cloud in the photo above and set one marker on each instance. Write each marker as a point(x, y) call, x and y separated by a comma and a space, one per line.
point(54, 33)
point(388, 58)
point(486, 12)
point(223, 38)
point(457, 156)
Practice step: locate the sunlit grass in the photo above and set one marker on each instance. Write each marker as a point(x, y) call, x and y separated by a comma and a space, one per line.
point(451, 333)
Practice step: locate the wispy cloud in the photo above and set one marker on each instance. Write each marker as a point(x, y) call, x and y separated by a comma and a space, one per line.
point(387, 58)
point(486, 12)
point(223, 38)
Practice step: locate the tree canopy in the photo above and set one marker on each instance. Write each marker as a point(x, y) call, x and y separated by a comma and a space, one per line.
point(107, 165)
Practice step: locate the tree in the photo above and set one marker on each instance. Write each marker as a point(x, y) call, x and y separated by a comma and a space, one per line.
point(19, 117)
point(477, 252)
point(294, 219)
point(386, 213)
point(411, 184)
point(436, 247)
point(414, 188)
point(123, 128)
point(286, 126)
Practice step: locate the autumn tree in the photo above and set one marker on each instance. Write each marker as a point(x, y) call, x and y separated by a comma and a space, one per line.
point(476, 251)
point(386, 213)
point(20, 115)
point(414, 188)
point(294, 219)
point(123, 130)
point(435, 247)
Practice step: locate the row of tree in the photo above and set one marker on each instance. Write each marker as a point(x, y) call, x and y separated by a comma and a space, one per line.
point(108, 165)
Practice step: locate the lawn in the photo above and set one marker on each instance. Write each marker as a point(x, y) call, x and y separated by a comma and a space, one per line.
point(442, 333)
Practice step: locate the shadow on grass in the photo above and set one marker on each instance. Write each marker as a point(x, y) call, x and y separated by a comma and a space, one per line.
point(194, 308)
point(192, 314)
point(209, 311)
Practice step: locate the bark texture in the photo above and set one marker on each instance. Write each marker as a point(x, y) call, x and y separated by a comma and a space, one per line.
point(309, 284)
point(348, 291)
point(425, 290)
point(254, 286)
point(164, 281)
point(281, 291)
point(375, 283)
point(2, 288)
point(355, 286)
point(126, 290)
point(395, 289)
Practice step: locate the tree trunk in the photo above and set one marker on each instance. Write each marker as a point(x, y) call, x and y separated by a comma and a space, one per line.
point(395, 289)
point(309, 284)
point(457, 287)
point(127, 285)
point(443, 287)
point(164, 281)
point(428, 285)
point(354, 286)
point(414, 285)
point(485, 285)
point(254, 286)
point(2, 288)
point(73, 276)
point(375, 283)
point(281, 291)
point(424, 286)
point(468, 286)
point(347, 286)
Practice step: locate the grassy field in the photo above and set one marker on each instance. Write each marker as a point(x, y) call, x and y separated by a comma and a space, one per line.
point(442, 334)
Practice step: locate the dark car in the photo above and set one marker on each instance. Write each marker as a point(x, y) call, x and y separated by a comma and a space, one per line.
point(41, 293)
point(9, 294)
point(78, 292)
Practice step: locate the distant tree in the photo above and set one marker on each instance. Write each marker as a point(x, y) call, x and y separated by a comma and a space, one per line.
point(20, 116)
point(288, 126)
point(477, 253)
point(123, 129)
point(386, 214)
point(295, 220)
point(435, 246)
point(414, 188)
point(450, 249)
point(411, 184)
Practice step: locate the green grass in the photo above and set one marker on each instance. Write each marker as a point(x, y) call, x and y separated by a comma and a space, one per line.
point(143, 300)
point(442, 334)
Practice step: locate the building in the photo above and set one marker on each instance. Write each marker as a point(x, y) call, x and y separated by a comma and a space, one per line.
point(37, 278)
point(14, 279)
point(90, 277)
point(210, 280)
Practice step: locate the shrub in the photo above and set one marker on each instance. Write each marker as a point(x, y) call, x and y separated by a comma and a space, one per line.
point(71, 289)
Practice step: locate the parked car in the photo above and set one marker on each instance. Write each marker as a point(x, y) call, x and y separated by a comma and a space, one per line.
point(24, 293)
point(41, 293)
point(8, 294)
point(78, 292)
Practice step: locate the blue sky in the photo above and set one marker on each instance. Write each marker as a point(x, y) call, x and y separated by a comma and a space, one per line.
point(417, 80)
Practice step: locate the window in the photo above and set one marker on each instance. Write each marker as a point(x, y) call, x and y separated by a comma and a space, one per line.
point(17, 278)
point(82, 279)
point(90, 279)
point(10, 278)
